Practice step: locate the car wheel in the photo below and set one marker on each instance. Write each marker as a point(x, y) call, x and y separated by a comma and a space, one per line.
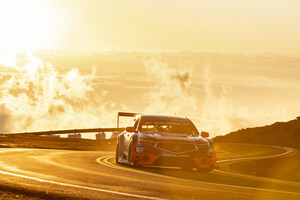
point(130, 162)
point(118, 154)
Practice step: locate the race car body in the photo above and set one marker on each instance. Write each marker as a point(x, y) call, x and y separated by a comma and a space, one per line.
point(165, 141)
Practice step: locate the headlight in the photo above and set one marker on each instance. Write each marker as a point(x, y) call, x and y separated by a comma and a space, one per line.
point(202, 147)
point(139, 149)
point(209, 152)
point(211, 143)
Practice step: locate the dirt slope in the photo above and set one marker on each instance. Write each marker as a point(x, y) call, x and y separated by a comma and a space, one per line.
point(280, 133)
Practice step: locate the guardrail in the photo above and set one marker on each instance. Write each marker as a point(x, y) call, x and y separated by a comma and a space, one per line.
point(90, 130)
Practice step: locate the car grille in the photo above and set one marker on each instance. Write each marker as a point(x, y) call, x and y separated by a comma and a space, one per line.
point(176, 147)
point(175, 162)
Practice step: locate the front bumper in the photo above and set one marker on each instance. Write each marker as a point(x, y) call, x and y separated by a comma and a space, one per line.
point(156, 157)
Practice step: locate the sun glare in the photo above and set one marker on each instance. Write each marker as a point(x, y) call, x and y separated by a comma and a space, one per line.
point(28, 25)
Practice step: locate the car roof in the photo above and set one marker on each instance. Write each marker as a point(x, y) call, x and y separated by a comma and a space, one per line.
point(163, 117)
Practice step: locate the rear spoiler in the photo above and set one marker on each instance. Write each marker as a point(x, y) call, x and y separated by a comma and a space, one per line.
point(126, 114)
point(89, 130)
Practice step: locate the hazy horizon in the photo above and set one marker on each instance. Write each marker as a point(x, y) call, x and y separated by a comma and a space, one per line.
point(226, 65)
point(47, 90)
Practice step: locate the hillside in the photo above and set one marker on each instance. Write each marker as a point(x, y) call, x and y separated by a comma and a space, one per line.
point(279, 133)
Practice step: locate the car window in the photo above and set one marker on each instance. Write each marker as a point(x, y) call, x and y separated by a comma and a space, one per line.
point(168, 126)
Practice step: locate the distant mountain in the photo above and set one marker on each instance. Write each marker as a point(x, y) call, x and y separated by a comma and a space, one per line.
point(280, 133)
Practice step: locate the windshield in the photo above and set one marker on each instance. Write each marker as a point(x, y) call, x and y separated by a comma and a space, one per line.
point(168, 126)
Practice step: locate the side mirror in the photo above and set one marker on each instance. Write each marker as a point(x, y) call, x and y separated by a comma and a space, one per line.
point(204, 134)
point(130, 129)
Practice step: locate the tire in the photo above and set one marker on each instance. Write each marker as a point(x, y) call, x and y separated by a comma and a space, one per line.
point(117, 154)
point(130, 163)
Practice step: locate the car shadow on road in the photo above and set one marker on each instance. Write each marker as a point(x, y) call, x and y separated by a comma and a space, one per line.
point(211, 177)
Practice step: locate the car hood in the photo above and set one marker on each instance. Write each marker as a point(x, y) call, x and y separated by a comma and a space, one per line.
point(171, 137)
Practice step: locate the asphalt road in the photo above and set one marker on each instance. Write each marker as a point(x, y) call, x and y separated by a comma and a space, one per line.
point(61, 174)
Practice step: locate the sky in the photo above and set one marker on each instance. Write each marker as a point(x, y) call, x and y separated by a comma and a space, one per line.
point(227, 65)
point(248, 26)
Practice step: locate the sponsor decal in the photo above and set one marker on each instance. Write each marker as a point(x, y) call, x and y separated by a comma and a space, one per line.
point(175, 156)
point(166, 123)
point(169, 155)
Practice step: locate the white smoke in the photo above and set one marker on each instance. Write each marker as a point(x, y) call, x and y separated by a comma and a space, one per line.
point(220, 115)
point(37, 97)
point(212, 109)
point(170, 94)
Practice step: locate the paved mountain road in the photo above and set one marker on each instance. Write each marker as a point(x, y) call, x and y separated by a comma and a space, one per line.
point(94, 175)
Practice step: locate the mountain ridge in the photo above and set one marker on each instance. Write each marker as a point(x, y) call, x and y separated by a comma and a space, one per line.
point(279, 133)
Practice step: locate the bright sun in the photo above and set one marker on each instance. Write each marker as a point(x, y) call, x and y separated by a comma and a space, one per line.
point(29, 24)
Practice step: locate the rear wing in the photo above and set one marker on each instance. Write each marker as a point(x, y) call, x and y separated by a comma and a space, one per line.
point(74, 131)
point(77, 131)
point(125, 114)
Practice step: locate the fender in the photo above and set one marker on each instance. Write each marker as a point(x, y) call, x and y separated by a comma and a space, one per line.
point(121, 141)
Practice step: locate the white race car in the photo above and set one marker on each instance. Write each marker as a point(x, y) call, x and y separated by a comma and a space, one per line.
point(165, 141)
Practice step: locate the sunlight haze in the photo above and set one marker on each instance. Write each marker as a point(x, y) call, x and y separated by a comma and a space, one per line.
point(150, 99)
point(222, 26)
point(74, 64)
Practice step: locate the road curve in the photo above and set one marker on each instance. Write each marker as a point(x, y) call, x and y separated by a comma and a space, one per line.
point(94, 175)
